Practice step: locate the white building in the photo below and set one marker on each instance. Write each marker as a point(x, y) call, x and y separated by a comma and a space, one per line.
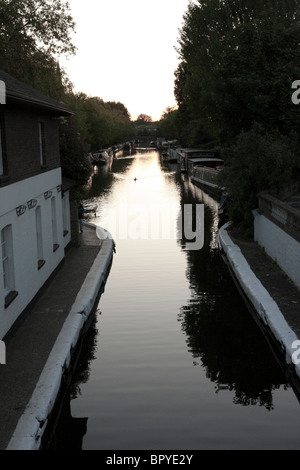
point(34, 207)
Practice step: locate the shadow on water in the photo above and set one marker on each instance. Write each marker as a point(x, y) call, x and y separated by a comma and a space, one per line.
point(67, 432)
point(221, 335)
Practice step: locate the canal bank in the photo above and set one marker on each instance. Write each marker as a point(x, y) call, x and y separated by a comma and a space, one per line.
point(270, 294)
point(41, 349)
point(148, 387)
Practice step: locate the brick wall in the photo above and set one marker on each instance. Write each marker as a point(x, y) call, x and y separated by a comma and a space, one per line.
point(21, 128)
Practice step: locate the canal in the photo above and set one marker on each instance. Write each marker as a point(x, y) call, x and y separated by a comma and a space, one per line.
point(173, 359)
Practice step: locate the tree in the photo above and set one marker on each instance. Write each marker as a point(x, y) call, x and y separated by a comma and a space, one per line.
point(31, 34)
point(143, 119)
point(258, 161)
point(100, 124)
point(37, 24)
point(120, 108)
point(166, 126)
point(238, 59)
point(73, 153)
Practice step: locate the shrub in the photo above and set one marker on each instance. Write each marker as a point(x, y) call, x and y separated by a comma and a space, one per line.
point(257, 161)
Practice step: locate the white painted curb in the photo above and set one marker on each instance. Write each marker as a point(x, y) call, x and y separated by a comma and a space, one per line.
point(33, 422)
point(260, 298)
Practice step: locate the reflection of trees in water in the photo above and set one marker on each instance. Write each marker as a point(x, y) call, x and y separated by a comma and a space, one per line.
point(86, 356)
point(228, 344)
point(221, 334)
point(101, 183)
point(102, 179)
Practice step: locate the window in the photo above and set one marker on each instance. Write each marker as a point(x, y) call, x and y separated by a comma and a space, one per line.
point(39, 237)
point(8, 265)
point(42, 144)
point(54, 224)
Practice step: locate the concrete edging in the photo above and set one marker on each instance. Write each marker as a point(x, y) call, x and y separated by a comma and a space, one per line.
point(265, 306)
point(33, 422)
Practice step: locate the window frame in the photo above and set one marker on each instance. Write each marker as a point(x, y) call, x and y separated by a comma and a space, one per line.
point(3, 156)
point(7, 259)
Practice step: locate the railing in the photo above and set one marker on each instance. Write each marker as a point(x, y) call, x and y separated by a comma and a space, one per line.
point(207, 179)
point(209, 175)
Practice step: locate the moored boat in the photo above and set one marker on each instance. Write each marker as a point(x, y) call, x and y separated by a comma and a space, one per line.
point(190, 158)
point(101, 158)
point(171, 156)
point(127, 146)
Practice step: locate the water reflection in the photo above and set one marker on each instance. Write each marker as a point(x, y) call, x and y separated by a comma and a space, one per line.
point(178, 349)
point(221, 335)
point(143, 204)
point(71, 430)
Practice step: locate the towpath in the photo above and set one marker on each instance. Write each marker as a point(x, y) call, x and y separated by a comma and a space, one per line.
point(31, 341)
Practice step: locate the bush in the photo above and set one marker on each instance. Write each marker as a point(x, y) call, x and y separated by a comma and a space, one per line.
point(73, 154)
point(257, 161)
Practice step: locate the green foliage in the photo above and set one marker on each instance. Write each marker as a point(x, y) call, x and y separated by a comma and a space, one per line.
point(167, 126)
point(255, 162)
point(73, 151)
point(189, 132)
point(36, 25)
point(238, 59)
point(100, 124)
point(32, 34)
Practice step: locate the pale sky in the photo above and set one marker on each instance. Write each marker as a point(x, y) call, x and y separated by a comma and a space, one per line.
point(125, 52)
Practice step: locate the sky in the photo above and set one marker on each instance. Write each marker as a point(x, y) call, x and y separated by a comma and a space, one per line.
point(126, 52)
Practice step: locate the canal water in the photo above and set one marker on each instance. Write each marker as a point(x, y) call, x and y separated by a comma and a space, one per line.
point(174, 359)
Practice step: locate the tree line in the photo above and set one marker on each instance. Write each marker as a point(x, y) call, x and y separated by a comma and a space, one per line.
point(237, 62)
point(32, 35)
point(233, 87)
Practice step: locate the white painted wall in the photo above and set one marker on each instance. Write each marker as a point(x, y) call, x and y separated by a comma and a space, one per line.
point(282, 248)
point(28, 278)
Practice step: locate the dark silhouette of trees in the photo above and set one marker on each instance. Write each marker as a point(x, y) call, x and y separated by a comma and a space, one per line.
point(32, 35)
point(237, 62)
point(143, 119)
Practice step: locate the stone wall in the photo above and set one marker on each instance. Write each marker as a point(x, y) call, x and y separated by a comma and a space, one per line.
point(280, 213)
point(22, 143)
point(277, 230)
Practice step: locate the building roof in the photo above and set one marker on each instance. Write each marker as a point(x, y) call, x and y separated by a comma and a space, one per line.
point(17, 91)
point(67, 184)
